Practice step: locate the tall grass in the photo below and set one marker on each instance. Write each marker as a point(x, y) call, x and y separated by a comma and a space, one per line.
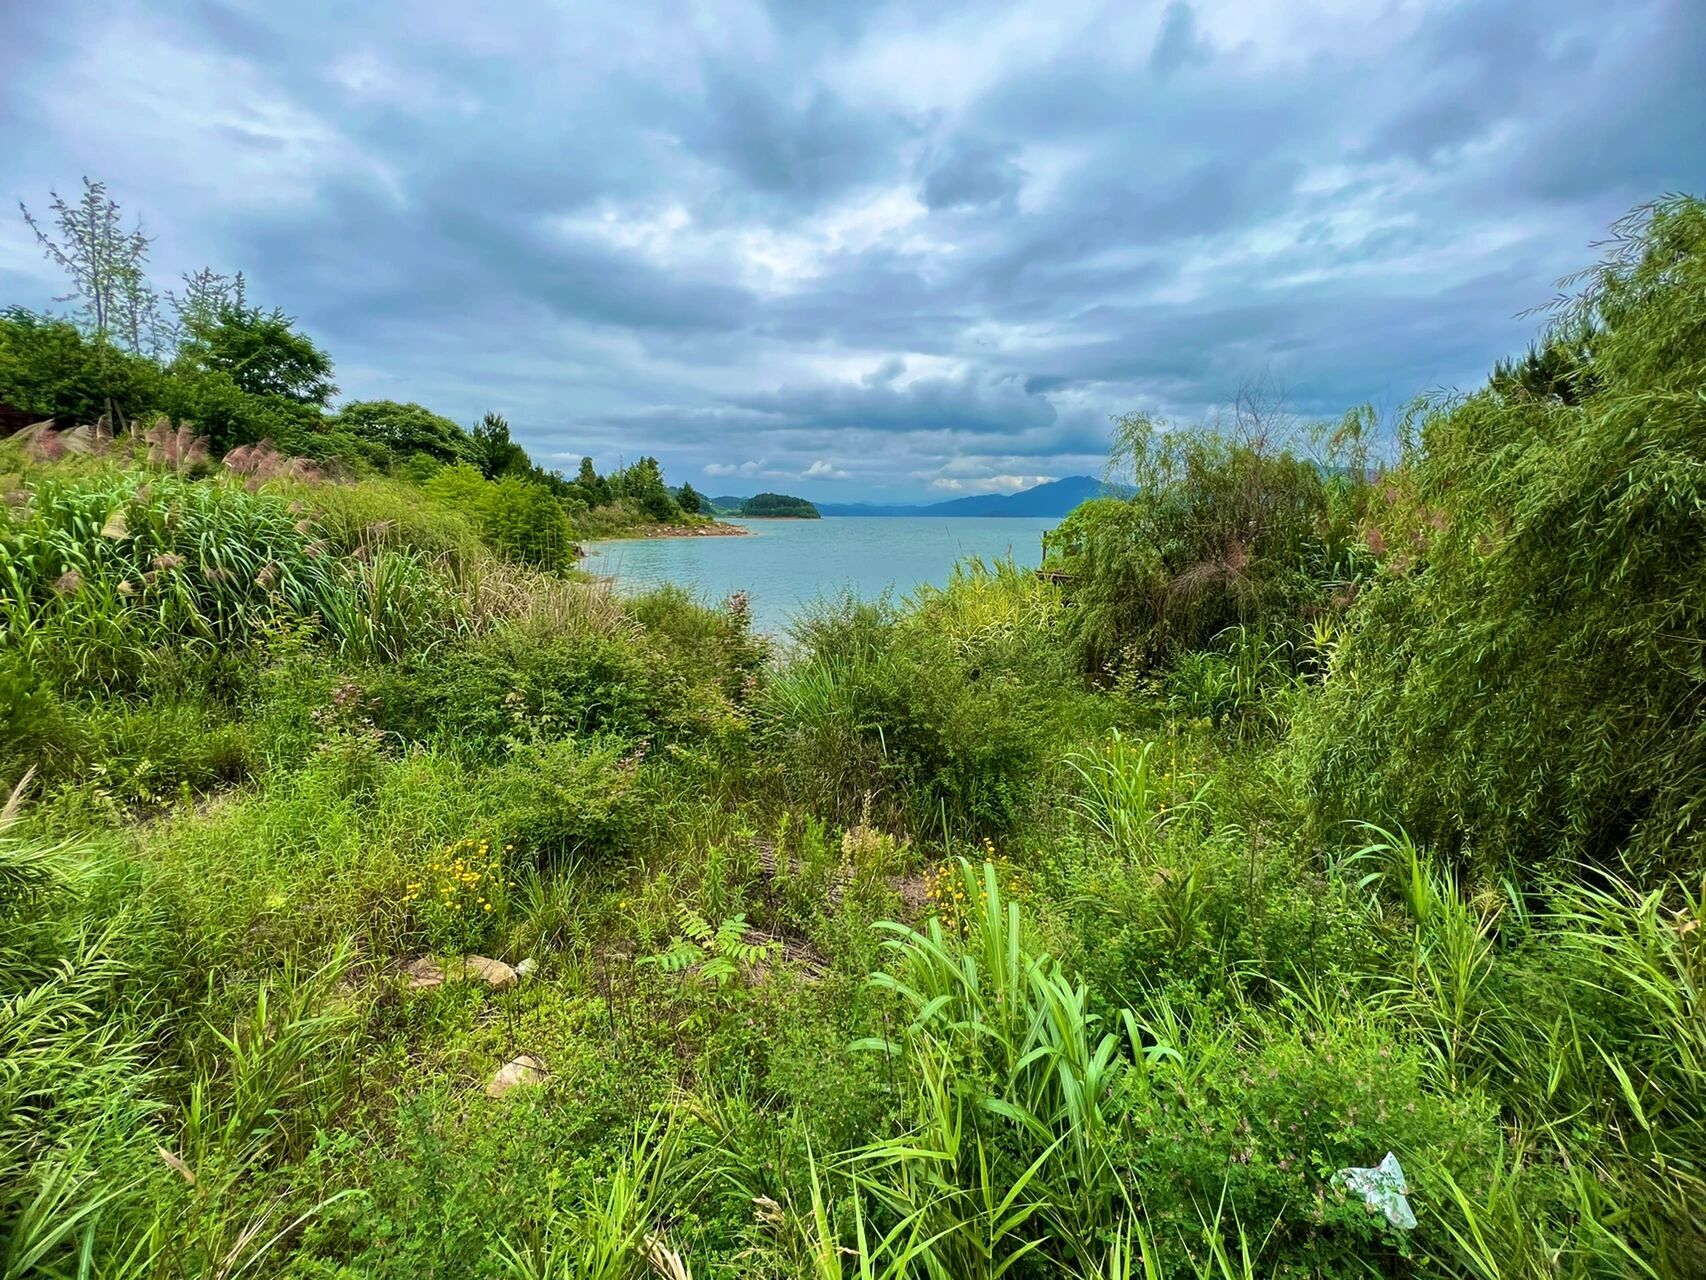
point(100, 572)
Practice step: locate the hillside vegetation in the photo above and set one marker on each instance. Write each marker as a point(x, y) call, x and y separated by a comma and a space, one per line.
point(764, 505)
point(209, 365)
point(376, 902)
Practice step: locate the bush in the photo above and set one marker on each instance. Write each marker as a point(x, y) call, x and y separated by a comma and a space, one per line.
point(50, 369)
point(957, 707)
point(516, 517)
point(106, 573)
point(1524, 678)
point(1262, 1118)
point(211, 402)
point(405, 429)
point(515, 686)
point(526, 522)
point(1222, 530)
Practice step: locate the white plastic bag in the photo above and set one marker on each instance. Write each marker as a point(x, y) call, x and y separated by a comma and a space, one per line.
point(1384, 1188)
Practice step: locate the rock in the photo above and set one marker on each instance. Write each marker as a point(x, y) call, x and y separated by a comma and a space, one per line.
point(494, 973)
point(526, 967)
point(522, 1069)
point(428, 972)
point(422, 973)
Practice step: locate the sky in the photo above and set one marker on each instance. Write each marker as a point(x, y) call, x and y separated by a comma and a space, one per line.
point(864, 250)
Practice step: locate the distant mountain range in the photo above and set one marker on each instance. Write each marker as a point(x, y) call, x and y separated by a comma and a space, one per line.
point(1055, 498)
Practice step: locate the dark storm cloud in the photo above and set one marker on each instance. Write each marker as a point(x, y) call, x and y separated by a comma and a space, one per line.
point(863, 249)
point(808, 150)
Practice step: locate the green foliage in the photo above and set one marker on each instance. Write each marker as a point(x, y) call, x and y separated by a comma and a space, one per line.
point(97, 573)
point(494, 452)
point(49, 368)
point(526, 522)
point(716, 955)
point(107, 268)
point(778, 504)
point(1523, 677)
point(1223, 529)
point(334, 728)
point(516, 517)
point(212, 403)
point(512, 687)
point(406, 429)
point(259, 351)
point(642, 484)
point(954, 707)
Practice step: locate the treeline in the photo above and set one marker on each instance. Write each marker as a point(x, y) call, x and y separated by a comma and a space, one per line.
point(207, 357)
point(778, 504)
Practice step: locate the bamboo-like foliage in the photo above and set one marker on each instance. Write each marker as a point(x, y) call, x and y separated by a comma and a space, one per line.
point(1523, 677)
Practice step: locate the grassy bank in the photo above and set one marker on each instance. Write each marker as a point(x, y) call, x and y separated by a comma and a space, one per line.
point(1309, 810)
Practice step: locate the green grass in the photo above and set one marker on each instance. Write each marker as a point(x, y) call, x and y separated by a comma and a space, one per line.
point(909, 948)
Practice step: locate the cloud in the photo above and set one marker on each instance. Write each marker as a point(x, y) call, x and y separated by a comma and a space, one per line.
point(748, 468)
point(990, 484)
point(1178, 44)
point(971, 173)
point(969, 399)
point(915, 244)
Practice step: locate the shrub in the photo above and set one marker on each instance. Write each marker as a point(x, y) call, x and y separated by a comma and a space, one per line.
point(505, 688)
point(516, 517)
point(103, 572)
point(957, 706)
point(1524, 676)
point(1222, 529)
point(405, 429)
point(526, 522)
point(50, 369)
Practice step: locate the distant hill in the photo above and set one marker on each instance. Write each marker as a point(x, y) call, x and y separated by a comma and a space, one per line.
point(1055, 498)
point(762, 506)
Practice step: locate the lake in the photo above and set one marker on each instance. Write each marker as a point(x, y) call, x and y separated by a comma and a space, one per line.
point(783, 564)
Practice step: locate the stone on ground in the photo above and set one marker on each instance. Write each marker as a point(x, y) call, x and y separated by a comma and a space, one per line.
point(522, 1069)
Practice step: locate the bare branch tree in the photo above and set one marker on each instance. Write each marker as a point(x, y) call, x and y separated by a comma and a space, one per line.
point(106, 263)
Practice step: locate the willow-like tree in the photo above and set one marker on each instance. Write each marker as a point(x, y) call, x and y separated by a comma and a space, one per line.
point(115, 304)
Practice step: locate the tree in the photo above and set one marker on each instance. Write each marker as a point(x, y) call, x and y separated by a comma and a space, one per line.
point(591, 487)
point(116, 306)
point(206, 292)
point(642, 484)
point(524, 521)
point(1222, 528)
point(211, 401)
point(260, 351)
point(1523, 681)
point(689, 500)
point(405, 429)
point(778, 504)
point(51, 369)
point(493, 450)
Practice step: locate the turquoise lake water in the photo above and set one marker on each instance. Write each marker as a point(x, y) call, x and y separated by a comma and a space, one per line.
point(783, 564)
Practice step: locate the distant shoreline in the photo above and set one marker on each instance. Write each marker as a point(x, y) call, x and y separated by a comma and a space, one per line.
point(640, 533)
